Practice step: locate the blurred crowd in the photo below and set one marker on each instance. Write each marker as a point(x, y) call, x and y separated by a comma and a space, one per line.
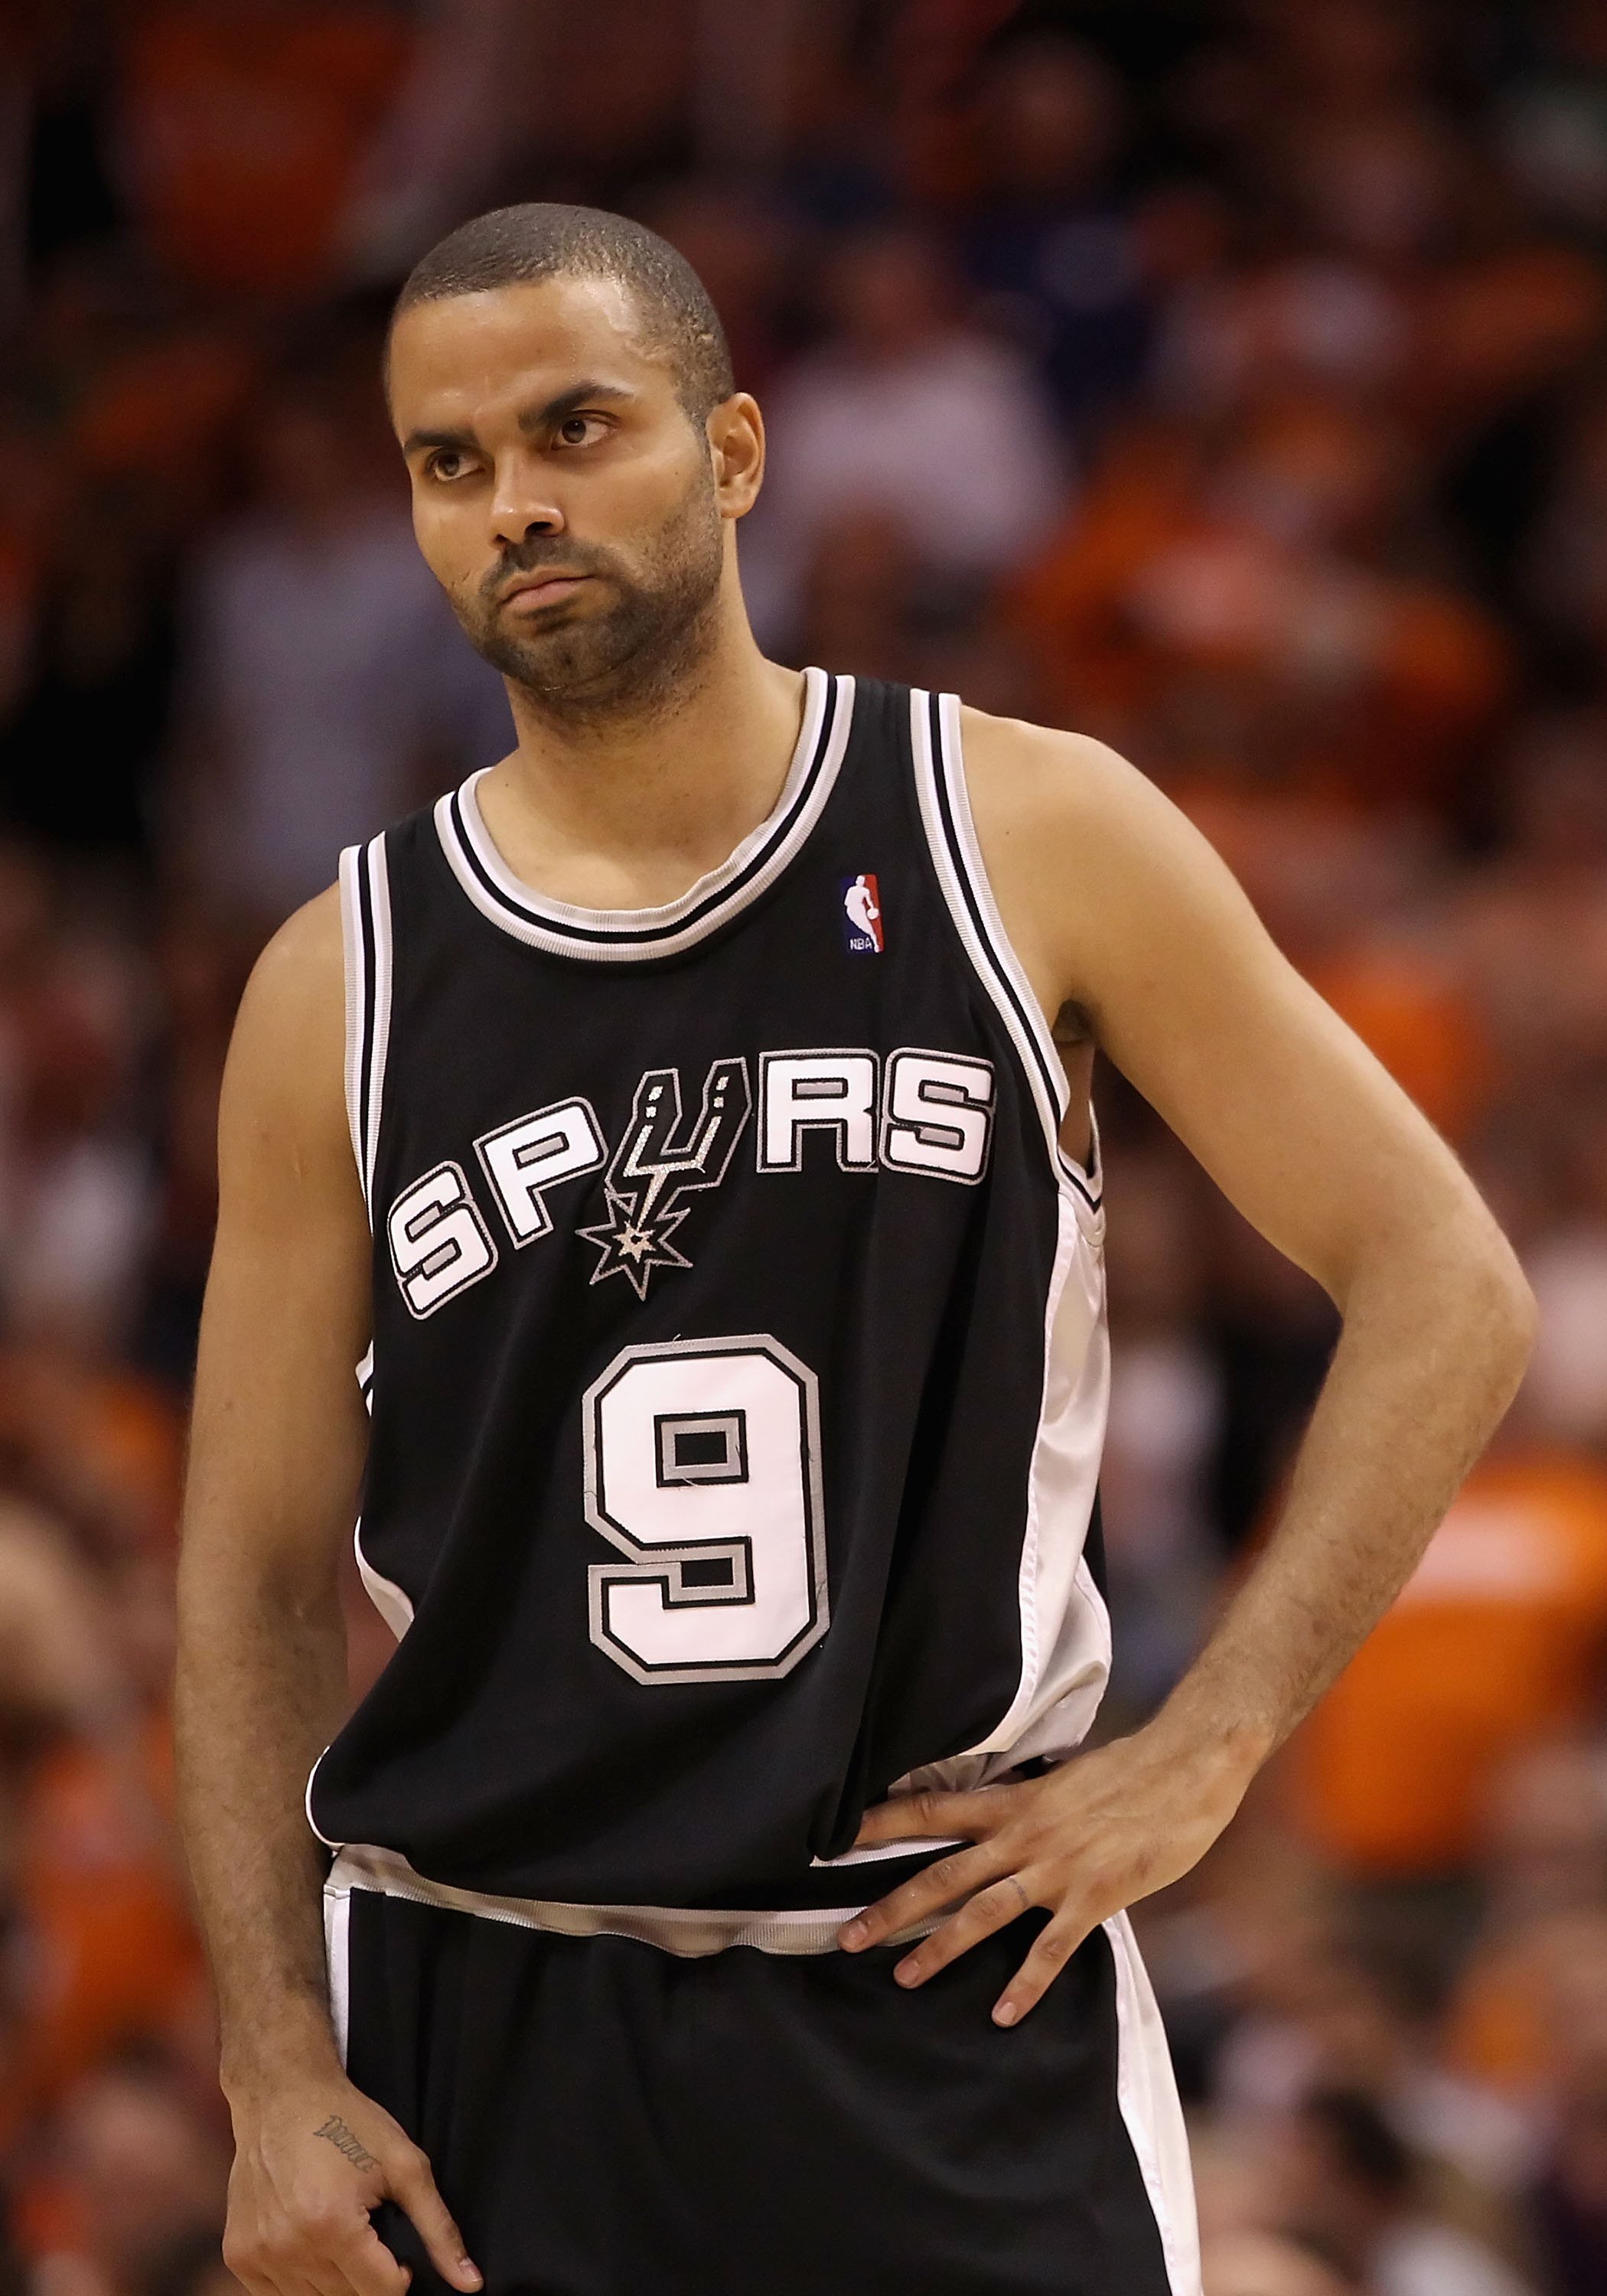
point(1225, 378)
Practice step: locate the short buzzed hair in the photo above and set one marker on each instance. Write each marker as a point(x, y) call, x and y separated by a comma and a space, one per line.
point(514, 247)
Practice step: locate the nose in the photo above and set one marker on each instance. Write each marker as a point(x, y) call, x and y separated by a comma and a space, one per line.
point(521, 503)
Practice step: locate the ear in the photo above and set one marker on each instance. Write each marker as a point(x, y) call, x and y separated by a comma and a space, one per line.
point(736, 448)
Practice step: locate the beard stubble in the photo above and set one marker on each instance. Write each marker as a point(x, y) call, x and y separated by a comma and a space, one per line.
point(633, 658)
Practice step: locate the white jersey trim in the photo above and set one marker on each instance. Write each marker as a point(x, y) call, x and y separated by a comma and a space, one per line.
point(906, 1846)
point(393, 1603)
point(366, 939)
point(1065, 1628)
point(961, 872)
point(353, 947)
point(617, 936)
point(337, 1956)
point(690, 1931)
point(306, 1804)
point(1146, 2093)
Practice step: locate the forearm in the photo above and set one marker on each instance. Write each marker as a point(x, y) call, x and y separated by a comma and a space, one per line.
point(261, 1689)
point(261, 1686)
point(1432, 1346)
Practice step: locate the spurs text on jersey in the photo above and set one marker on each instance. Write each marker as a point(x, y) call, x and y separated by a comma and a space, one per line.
point(927, 1114)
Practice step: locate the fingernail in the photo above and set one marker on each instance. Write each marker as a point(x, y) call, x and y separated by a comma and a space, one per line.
point(1005, 2014)
point(472, 2273)
point(851, 1933)
point(908, 1972)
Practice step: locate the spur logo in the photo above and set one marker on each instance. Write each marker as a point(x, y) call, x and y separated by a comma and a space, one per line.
point(653, 1169)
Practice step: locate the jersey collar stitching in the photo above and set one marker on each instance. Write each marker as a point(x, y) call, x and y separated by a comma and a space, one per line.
point(566, 931)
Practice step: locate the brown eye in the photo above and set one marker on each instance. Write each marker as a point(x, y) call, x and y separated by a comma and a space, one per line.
point(575, 430)
point(446, 463)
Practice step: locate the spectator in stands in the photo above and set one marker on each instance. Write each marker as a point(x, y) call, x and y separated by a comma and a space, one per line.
point(907, 409)
point(740, 248)
point(245, 124)
point(1566, 560)
point(76, 1184)
point(1260, 584)
point(1163, 1556)
point(130, 2174)
point(327, 688)
point(1049, 245)
point(1570, 2201)
point(1543, 1835)
point(98, 686)
point(1543, 890)
point(1350, 2184)
point(1568, 1266)
point(1267, 2264)
point(94, 1897)
point(1496, 1642)
point(1553, 120)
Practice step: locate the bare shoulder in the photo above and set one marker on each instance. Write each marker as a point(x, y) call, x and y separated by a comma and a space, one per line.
point(1089, 862)
point(1119, 906)
point(1035, 780)
point(301, 972)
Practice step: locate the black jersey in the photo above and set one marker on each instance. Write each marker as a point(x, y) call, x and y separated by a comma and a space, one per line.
point(739, 1368)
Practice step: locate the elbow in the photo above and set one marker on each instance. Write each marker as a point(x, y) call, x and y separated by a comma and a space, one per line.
point(1525, 1313)
point(1507, 1311)
point(1452, 1272)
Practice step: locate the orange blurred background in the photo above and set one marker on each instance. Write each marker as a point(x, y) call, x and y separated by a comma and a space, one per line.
point(1225, 378)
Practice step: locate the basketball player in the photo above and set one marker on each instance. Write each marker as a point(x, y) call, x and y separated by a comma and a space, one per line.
point(714, 1900)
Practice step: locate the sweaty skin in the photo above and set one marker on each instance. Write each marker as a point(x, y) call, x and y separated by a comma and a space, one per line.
point(572, 459)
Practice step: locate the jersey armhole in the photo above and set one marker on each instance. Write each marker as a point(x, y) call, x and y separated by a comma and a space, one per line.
point(366, 939)
point(958, 856)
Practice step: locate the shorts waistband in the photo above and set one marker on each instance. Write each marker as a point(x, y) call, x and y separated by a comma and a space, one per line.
point(685, 1929)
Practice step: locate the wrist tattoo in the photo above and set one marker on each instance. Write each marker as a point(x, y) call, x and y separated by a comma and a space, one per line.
point(346, 2140)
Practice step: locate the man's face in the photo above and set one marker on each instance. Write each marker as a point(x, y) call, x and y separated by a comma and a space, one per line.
point(561, 495)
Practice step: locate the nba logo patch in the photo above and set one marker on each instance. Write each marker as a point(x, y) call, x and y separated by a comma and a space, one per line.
point(862, 916)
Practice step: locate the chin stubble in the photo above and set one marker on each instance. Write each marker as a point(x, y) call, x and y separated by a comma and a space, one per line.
point(635, 658)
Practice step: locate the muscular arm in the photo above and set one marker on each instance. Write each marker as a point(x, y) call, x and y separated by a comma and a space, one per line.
point(276, 1452)
point(1118, 907)
point(1127, 911)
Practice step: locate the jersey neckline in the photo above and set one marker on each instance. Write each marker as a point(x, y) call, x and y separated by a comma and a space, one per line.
point(562, 929)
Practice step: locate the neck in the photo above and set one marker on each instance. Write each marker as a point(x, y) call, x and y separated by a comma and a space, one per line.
point(629, 807)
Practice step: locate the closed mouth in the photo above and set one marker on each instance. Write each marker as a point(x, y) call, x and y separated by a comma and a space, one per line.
point(539, 587)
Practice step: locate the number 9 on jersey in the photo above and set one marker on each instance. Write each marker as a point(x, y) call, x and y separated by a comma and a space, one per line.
point(702, 1469)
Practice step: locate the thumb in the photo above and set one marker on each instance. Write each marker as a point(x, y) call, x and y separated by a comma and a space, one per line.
point(412, 2185)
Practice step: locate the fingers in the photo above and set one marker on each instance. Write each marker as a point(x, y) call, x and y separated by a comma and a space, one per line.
point(323, 2252)
point(940, 1815)
point(369, 2269)
point(934, 1887)
point(1051, 1949)
point(989, 1910)
point(410, 2183)
point(366, 2266)
point(1005, 1898)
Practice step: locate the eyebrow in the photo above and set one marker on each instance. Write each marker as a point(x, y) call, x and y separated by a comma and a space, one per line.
point(541, 418)
point(417, 439)
point(534, 418)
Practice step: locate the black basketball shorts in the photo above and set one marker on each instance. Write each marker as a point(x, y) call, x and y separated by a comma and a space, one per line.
point(671, 2112)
